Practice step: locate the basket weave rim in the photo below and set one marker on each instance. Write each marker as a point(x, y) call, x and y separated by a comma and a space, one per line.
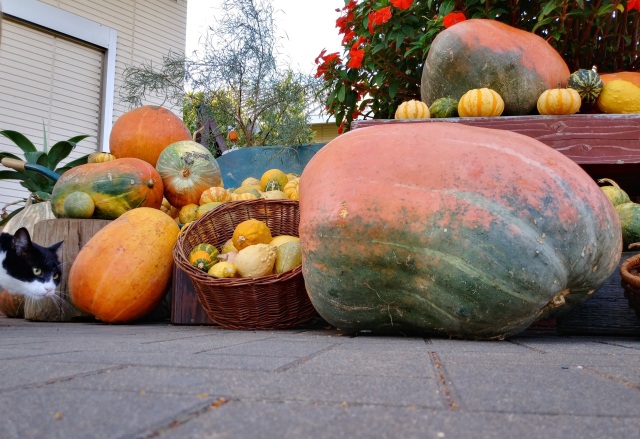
point(625, 271)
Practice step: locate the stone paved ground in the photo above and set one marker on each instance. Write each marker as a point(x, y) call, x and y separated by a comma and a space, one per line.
point(155, 380)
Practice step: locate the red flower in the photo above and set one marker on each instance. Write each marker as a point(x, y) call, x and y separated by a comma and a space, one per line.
point(453, 18)
point(356, 55)
point(379, 17)
point(402, 4)
point(349, 6)
point(324, 62)
point(348, 36)
point(341, 127)
point(633, 4)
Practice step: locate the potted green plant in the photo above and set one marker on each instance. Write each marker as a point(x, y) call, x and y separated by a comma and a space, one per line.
point(36, 205)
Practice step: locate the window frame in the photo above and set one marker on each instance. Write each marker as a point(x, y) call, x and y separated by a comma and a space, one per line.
point(84, 30)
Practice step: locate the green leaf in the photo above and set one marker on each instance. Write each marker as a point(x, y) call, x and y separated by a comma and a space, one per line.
point(43, 195)
point(44, 138)
point(9, 155)
point(36, 157)
point(77, 139)
point(6, 219)
point(20, 140)
point(393, 89)
point(549, 7)
point(12, 175)
point(341, 93)
point(59, 152)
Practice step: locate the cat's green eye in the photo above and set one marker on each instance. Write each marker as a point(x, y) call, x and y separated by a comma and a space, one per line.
point(56, 275)
point(37, 271)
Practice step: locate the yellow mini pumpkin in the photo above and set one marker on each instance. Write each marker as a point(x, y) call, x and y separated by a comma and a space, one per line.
point(249, 232)
point(292, 189)
point(559, 101)
point(215, 193)
point(100, 157)
point(412, 109)
point(480, 102)
point(276, 175)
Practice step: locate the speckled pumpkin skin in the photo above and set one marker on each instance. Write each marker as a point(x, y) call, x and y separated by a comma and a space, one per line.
point(478, 53)
point(452, 230)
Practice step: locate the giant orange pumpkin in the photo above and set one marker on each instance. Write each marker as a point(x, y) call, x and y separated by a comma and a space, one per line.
point(145, 131)
point(469, 232)
point(483, 53)
point(122, 273)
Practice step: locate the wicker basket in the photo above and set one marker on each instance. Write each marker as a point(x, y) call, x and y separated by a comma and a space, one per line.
point(630, 280)
point(276, 301)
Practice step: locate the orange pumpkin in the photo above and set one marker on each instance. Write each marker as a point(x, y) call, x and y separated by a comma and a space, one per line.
point(632, 77)
point(145, 131)
point(121, 274)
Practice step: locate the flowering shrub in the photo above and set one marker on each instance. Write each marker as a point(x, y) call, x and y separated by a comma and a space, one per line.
point(386, 41)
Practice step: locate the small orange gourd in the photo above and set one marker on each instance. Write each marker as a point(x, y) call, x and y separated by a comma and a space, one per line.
point(480, 102)
point(559, 101)
point(249, 232)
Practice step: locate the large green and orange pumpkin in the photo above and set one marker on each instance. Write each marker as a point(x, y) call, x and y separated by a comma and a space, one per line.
point(145, 131)
point(122, 273)
point(472, 232)
point(482, 53)
point(187, 169)
point(115, 187)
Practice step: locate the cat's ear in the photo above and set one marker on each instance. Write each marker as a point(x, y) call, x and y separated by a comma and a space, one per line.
point(56, 247)
point(21, 241)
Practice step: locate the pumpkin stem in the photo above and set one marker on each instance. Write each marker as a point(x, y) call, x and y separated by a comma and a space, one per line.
point(151, 182)
point(185, 173)
point(611, 182)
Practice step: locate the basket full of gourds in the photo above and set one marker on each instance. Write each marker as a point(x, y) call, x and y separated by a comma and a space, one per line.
point(244, 261)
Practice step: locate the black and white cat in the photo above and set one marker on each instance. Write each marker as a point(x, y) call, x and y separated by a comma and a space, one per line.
point(26, 268)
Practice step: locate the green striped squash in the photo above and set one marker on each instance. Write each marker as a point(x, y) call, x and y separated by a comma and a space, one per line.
point(203, 256)
point(444, 107)
point(587, 83)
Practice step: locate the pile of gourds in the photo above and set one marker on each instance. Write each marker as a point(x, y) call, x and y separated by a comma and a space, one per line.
point(274, 184)
point(251, 252)
point(153, 180)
